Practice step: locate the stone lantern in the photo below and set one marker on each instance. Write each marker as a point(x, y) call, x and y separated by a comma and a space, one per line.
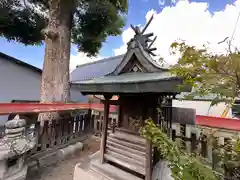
point(13, 148)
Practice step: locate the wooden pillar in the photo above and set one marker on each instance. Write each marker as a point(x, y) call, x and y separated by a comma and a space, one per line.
point(210, 149)
point(149, 150)
point(90, 119)
point(190, 139)
point(120, 112)
point(148, 161)
point(96, 117)
point(104, 129)
point(119, 116)
point(169, 126)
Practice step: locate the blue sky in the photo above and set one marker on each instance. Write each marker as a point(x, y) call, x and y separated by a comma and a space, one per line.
point(136, 15)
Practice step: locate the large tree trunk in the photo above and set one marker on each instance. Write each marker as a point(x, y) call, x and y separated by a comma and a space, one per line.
point(55, 85)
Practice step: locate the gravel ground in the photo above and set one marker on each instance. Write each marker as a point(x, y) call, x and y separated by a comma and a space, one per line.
point(64, 170)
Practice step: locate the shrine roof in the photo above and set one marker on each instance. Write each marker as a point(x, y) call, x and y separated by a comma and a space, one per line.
point(157, 82)
point(134, 72)
point(136, 77)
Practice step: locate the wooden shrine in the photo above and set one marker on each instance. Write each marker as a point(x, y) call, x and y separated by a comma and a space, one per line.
point(140, 83)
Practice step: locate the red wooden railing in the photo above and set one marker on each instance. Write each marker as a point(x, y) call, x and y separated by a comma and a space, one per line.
point(218, 122)
point(18, 108)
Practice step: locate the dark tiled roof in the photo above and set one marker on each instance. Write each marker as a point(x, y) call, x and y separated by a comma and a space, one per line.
point(135, 77)
point(95, 69)
point(19, 62)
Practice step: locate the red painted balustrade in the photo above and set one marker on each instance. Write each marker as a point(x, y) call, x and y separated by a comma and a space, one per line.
point(18, 108)
point(218, 122)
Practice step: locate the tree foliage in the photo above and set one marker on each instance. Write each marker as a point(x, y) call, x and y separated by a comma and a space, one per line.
point(185, 166)
point(207, 73)
point(92, 21)
point(21, 23)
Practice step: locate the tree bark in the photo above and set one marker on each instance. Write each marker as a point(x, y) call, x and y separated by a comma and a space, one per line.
point(55, 86)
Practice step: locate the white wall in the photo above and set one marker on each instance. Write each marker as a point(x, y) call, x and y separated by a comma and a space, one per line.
point(202, 107)
point(17, 83)
point(21, 83)
point(77, 96)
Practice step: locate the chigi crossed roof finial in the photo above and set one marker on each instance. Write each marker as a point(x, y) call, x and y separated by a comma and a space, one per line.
point(144, 39)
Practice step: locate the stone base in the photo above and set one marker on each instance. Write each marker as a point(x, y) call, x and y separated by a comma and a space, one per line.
point(82, 170)
point(56, 156)
point(108, 171)
point(92, 169)
point(21, 175)
point(161, 171)
point(70, 150)
point(80, 174)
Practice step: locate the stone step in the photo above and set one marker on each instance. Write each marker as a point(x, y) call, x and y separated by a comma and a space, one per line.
point(97, 175)
point(125, 148)
point(127, 144)
point(129, 138)
point(131, 166)
point(126, 153)
point(111, 172)
point(124, 130)
point(127, 159)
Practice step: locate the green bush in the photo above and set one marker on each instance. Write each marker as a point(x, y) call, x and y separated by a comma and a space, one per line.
point(184, 166)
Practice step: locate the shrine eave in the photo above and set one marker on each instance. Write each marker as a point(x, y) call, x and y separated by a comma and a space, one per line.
point(158, 82)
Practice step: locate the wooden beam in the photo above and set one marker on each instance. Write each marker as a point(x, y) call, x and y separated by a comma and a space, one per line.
point(119, 116)
point(91, 123)
point(148, 23)
point(104, 130)
point(148, 167)
point(112, 102)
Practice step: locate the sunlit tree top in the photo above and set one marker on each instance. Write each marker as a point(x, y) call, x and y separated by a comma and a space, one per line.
point(217, 74)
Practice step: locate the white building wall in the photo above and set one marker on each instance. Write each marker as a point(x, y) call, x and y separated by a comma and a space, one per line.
point(17, 83)
point(76, 95)
point(203, 107)
point(21, 83)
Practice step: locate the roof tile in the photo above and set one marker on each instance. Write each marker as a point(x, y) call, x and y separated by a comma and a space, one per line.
point(95, 69)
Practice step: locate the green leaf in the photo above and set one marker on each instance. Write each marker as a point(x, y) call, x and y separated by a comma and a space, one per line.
point(184, 166)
